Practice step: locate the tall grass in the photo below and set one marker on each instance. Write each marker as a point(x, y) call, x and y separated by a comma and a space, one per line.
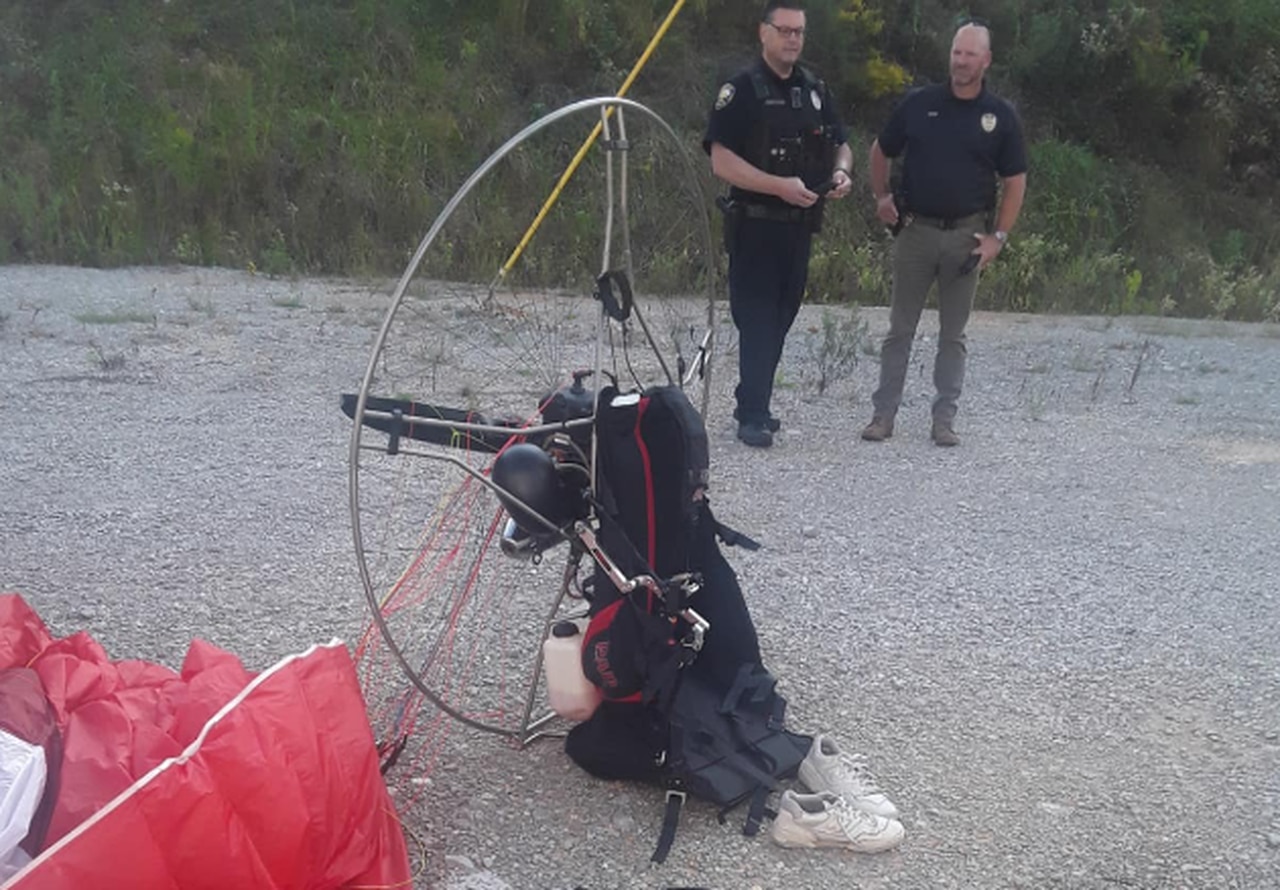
point(323, 137)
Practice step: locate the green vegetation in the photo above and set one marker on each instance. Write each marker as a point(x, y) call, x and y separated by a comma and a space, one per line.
point(123, 316)
point(324, 136)
point(835, 346)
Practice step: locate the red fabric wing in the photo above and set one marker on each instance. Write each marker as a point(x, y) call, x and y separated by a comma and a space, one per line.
point(209, 779)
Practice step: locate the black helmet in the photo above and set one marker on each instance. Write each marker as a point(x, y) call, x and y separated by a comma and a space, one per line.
point(524, 473)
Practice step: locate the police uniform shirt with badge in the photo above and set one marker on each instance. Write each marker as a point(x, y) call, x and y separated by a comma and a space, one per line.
point(955, 148)
point(787, 127)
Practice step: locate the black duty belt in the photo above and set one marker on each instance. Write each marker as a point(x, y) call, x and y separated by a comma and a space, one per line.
point(946, 223)
point(775, 213)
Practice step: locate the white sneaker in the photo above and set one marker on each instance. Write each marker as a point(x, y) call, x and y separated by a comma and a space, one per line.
point(827, 768)
point(828, 820)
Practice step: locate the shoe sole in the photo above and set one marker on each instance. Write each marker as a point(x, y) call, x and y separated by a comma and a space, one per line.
point(786, 833)
point(773, 424)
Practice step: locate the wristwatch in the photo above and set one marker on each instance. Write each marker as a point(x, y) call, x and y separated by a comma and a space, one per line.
point(1000, 236)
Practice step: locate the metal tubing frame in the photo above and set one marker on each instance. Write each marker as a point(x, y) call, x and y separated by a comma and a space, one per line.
point(528, 730)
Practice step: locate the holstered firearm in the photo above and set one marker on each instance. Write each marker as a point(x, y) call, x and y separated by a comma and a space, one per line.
point(732, 212)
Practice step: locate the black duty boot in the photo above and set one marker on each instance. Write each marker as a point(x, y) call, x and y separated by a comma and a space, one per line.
point(755, 434)
point(773, 424)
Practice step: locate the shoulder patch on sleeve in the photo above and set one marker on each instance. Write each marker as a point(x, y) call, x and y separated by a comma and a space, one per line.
point(725, 96)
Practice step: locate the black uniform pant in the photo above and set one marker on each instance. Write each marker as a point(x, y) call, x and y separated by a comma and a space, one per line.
point(768, 270)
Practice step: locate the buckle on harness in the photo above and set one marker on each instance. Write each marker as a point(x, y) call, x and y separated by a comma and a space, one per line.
point(670, 820)
point(697, 630)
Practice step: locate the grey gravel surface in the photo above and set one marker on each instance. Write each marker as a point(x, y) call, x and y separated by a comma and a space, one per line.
point(1059, 644)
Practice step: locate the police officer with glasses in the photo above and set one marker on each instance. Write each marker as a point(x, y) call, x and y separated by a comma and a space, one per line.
point(775, 138)
point(957, 141)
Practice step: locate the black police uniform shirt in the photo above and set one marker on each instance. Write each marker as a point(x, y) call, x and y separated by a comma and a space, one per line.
point(954, 150)
point(737, 108)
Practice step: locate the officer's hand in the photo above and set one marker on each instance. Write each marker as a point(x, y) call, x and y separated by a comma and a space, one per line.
point(989, 247)
point(794, 192)
point(843, 184)
point(887, 210)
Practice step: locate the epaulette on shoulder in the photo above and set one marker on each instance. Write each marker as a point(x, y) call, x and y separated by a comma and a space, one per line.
point(760, 83)
point(810, 78)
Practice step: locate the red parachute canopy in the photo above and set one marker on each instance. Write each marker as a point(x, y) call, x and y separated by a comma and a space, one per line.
point(208, 778)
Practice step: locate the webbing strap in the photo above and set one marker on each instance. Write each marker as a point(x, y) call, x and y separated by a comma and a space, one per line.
point(651, 519)
point(757, 811)
point(670, 822)
point(734, 538)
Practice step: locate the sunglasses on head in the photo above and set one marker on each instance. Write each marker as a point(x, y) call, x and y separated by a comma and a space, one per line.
point(963, 20)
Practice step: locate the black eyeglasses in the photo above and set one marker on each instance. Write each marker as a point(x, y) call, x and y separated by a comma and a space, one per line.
point(786, 32)
point(963, 20)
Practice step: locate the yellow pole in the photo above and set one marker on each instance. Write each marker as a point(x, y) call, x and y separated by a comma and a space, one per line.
point(586, 146)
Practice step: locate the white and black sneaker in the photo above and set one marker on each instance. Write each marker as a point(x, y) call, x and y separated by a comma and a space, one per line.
point(828, 820)
point(827, 768)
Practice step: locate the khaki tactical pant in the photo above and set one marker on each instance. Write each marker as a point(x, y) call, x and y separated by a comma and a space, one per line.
point(922, 254)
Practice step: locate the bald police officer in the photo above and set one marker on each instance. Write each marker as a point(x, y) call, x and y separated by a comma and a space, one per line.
point(956, 140)
point(775, 138)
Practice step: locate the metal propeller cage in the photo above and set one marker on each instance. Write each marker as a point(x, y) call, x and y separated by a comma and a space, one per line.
point(425, 511)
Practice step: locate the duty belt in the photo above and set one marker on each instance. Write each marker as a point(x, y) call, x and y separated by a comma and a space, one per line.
point(775, 213)
point(946, 223)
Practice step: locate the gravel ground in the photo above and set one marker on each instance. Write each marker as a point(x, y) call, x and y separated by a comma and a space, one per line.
point(1059, 644)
